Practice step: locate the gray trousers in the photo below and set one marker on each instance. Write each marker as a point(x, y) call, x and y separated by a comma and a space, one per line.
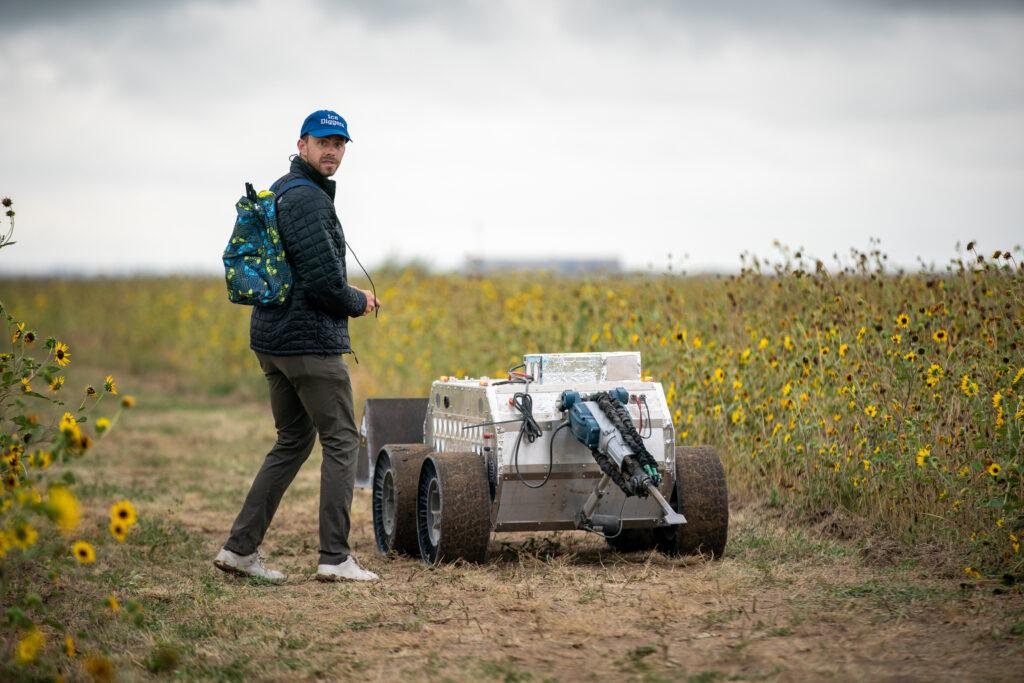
point(309, 395)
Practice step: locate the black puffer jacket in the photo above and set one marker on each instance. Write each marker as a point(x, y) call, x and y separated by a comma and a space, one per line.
point(315, 318)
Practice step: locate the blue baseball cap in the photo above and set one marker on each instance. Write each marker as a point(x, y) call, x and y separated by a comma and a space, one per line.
point(325, 122)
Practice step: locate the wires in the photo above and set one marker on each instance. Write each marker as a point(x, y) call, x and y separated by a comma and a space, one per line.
point(523, 402)
point(642, 406)
point(592, 530)
point(372, 288)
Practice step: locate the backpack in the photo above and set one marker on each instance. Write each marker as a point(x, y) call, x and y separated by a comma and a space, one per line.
point(255, 267)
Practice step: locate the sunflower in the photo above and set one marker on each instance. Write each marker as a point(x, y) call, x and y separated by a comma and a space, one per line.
point(127, 401)
point(28, 647)
point(41, 459)
point(29, 337)
point(56, 383)
point(99, 668)
point(63, 508)
point(940, 336)
point(994, 469)
point(922, 454)
point(871, 411)
point(24, 536)
point(123, 511)
point(102, 425)
point(61, 354)
point(109, 385)
point(903, 320)
point(18, 331)
point(969, 387)
point(25, 386)
point(118, 530)
point(83, 552)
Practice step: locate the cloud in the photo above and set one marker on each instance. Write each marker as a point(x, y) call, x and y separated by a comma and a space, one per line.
point(509, 127)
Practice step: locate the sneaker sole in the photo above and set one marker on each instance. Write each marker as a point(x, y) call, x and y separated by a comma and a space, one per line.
point(327, 578)
point(235, 571)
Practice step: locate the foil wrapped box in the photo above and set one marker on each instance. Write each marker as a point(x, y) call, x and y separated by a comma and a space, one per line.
point(578, 368)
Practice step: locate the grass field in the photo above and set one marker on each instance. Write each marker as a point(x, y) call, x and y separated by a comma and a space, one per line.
point(788, 602)
point(870, 424)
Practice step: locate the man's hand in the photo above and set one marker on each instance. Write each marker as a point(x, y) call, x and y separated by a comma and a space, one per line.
point(372, 302)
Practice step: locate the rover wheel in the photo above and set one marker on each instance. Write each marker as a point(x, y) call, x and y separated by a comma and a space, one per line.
point(453, 516)
point(700, 495)
point(395, 478)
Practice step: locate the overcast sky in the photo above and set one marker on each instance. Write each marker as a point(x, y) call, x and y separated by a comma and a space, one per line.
point(623, 129)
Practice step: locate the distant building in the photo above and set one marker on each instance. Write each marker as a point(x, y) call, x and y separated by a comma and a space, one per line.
point(487, 266)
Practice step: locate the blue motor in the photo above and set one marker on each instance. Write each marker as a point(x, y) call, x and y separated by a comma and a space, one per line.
point(582, 422)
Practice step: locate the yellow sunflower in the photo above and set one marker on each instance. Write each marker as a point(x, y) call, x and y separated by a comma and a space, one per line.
point(61, 354)
point(903, 320)
point(24, 536)
point(56, 383)
point(28, 647)
point(118, 530)
point(123, 511)
point(109, 385)
point(63, 508)
point(83, 552)
point(994, 469)
point(940, 336)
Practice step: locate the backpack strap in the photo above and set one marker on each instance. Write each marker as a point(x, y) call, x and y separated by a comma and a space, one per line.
point(292, 184)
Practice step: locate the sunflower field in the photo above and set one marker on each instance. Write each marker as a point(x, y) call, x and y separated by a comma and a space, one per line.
point(893, 398)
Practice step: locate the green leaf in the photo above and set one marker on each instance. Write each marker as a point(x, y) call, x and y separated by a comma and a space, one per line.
point(998, 502)
point(18, 618)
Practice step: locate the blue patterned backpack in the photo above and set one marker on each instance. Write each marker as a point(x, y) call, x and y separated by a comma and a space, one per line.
point(255, 266)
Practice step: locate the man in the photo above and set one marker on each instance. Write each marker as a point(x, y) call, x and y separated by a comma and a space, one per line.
point(299, 346)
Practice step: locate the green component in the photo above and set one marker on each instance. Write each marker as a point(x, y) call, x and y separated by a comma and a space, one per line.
point(653, 472)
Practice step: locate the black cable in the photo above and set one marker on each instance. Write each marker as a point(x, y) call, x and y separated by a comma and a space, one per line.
point(373, 289)
point(605, 536)
point(523, 402)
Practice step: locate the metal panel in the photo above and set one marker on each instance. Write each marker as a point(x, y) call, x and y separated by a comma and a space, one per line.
point(387, 421)
point(557, 504)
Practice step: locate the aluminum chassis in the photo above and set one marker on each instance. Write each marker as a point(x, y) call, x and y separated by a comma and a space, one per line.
point(476, 416)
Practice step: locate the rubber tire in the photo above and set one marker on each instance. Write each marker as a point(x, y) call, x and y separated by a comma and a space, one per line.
point(463, 520)
point(403, 461)
point(633, 540)
point(700, 494)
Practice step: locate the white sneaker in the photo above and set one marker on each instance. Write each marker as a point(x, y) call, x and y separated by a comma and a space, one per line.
point(246, 565)
point(349, 569)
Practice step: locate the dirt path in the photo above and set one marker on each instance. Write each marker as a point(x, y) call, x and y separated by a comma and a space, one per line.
point(784, 604)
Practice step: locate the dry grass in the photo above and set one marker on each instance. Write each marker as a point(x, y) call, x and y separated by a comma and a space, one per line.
point(788, 602)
